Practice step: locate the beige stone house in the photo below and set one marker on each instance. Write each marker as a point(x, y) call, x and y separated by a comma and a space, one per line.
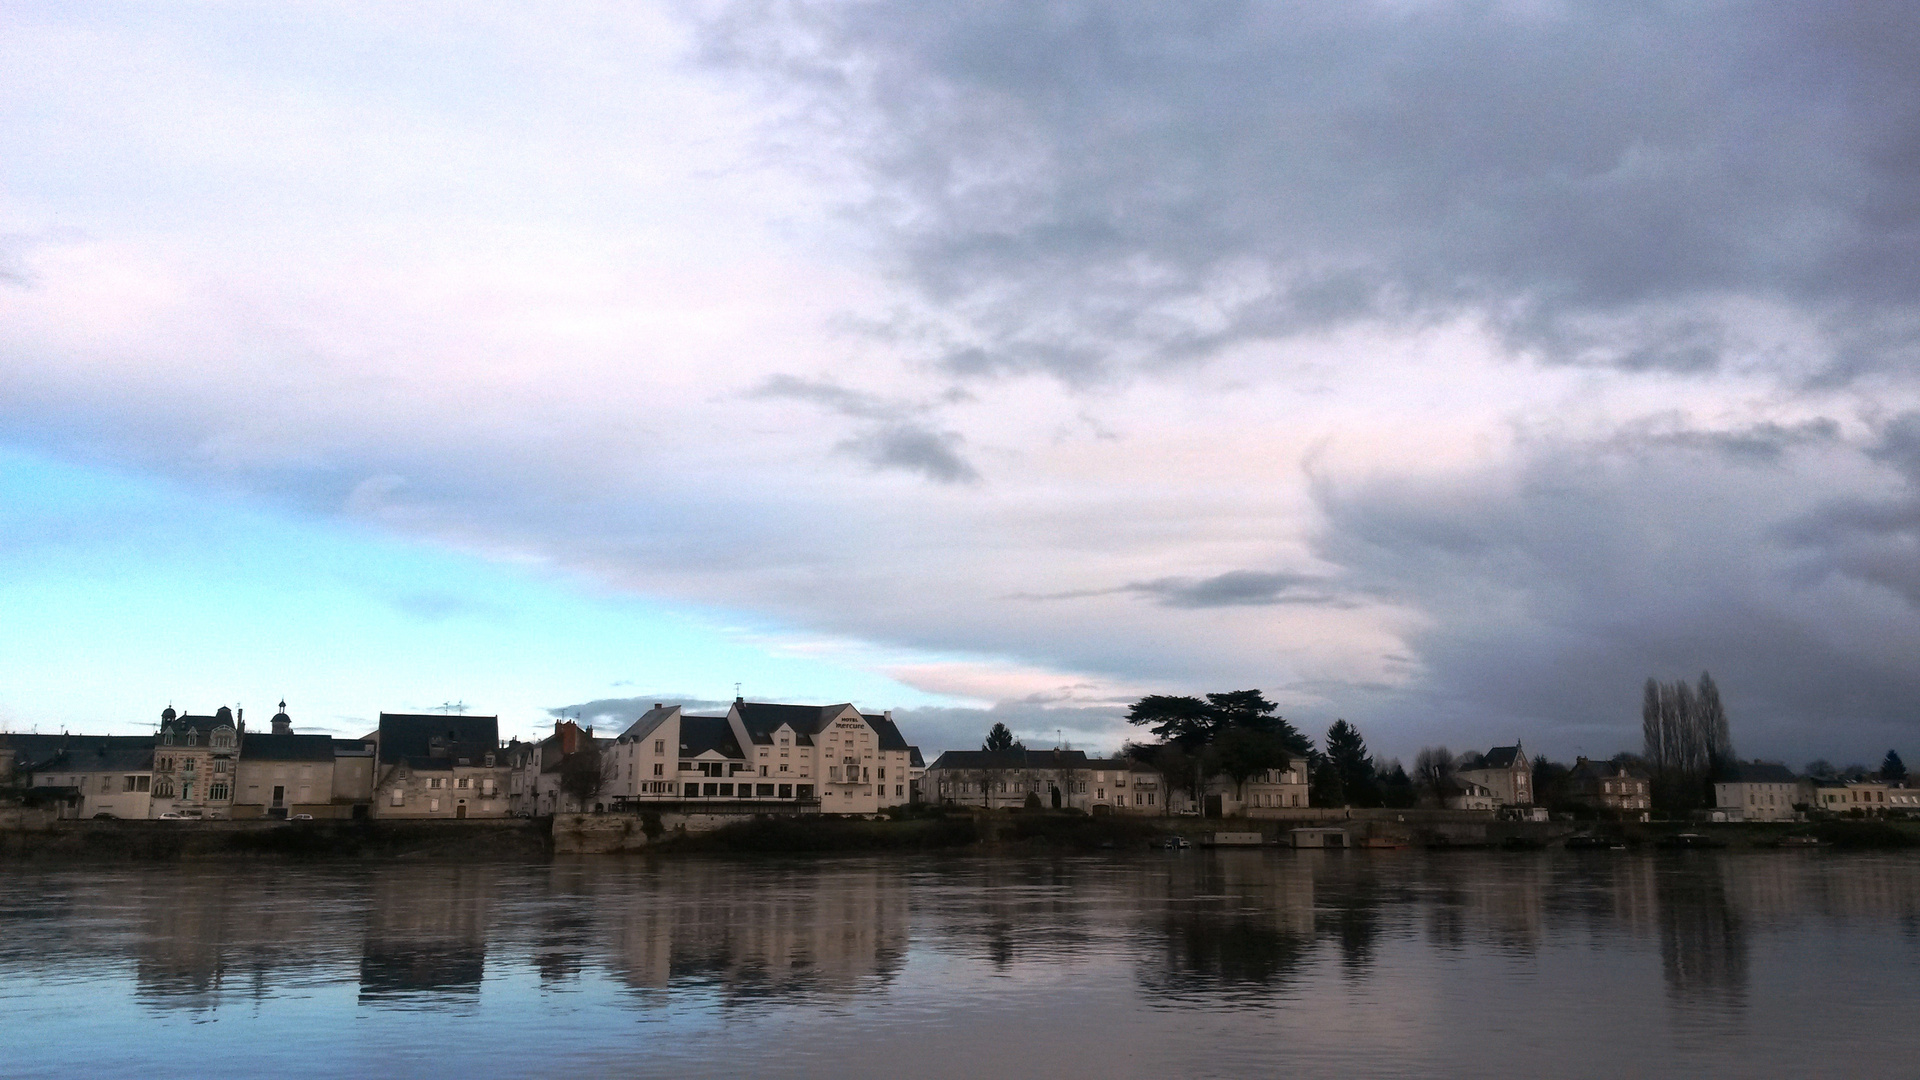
point(1505, 771)
point(834, 757)
point(1610, 787)
point(1758, 791)
point(1057, 779)
point(194, 759)
point(85, 775)
point(433, 766)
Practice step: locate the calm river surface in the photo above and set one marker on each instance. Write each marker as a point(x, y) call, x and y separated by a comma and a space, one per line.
point(1241, 964)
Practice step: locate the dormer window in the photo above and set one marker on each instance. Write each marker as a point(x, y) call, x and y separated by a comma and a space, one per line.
point(193, 737)
point(166, 738)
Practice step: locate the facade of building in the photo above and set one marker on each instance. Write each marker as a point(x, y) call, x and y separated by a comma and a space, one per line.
point(1845, 796)
point(1057, 779)
point(1759, 791)
point(84, 775)
point(535, 787)
point(434, 766)
point(1459, 793)
point(1606, 786)
point(834, 757)
point(280, 774)
point(1505, 771)
point(194, 759)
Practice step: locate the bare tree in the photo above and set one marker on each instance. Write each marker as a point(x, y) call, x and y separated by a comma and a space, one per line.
point(1432, 767)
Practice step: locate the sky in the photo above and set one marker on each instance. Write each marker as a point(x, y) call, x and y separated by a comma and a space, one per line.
point(1447, 368)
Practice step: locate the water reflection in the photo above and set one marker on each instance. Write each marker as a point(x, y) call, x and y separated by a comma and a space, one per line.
point(1669, 943)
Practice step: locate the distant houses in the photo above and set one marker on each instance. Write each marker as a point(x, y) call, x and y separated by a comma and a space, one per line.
point(1047, 779)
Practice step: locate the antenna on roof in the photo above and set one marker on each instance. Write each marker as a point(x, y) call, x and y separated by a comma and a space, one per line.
point(453, 707)
point(736, 691)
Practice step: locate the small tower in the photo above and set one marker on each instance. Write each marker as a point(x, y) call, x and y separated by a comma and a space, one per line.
point(282, 724)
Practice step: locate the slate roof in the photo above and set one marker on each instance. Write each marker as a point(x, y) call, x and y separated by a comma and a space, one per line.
point(648, 721)
point(1500, 757)
point(351, 748)
point(409, 736)
point(762, 719)
point(890, 737)
point(1758, 772)
point(699, 734)
point(1020, 758)
point(267, 747)
point(80, 753)
point(915, 759)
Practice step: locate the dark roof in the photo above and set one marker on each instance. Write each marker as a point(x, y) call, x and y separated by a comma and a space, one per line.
point(1500, 757)
point(1588, 769)
point(1758, 772)
point(81, 753)
point(430, 735)
point(763, 718)
point(267, 747)
point(1018, 758)
point(699, 734)
point(915, 759)
point(351, 748)
point(890, 737)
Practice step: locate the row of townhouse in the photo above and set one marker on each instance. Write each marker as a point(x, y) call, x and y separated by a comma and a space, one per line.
point(1766, 791)
point(830, 759)
point(1057, 779)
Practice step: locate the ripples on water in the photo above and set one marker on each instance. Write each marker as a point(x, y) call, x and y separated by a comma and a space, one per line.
point(1196, 964)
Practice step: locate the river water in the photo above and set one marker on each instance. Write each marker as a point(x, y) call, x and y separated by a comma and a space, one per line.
point(1237, 964)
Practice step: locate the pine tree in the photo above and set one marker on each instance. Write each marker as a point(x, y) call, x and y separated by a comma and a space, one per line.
point(1348, 758)
point(1000, 738)
point(1892, 769)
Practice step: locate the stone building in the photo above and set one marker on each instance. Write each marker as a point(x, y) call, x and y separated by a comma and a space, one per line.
point(1057, 779)
point(1759, 791)
point(281, 774)
point(831, 756)
point(433, 766)
point(1611, 787)
point(84, 775)
point(194, 760)
point(1505, 771)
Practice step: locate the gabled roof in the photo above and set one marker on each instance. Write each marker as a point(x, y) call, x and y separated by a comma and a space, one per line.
point(890, 737)
point(1500, 757)
point(648, 721)
point(1758, 772)
point(699, 734)
point(1588, 769)
point(764, 718)
point(430, 735)
point(257, 747)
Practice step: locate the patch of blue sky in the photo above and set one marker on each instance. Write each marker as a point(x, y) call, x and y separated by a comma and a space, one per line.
point(120, 594)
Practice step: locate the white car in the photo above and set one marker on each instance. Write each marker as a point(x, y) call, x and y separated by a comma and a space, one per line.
point(301, 817)
point(171, 816)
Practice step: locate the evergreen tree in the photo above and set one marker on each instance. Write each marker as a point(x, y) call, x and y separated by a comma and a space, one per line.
point(1352, 766)
point(1000, 738)
point(1892, 769)
point(1396, 787)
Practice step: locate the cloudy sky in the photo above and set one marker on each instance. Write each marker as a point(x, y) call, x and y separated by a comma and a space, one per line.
point(1450, 368)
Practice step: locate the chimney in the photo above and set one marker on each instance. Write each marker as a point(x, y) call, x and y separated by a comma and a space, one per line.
point(657, 705)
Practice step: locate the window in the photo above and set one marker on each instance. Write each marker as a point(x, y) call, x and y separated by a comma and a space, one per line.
point(693, 790)
point(883, 772)
point(726, 790)
point(193, 737)
point(434, 783)
point(433, 806)
point(899, 790)
point(486, 786)
point(489, 761)
point(186, 790)
point(166, 738)
point(217, 791)
point(786, 791)
point(686, 766)
point(659, 768)
point(659, 746)
point(220, 767)
point(783, 768)
point(462, 783)
point(187, 766)
point(710, 790)
point(399, 798)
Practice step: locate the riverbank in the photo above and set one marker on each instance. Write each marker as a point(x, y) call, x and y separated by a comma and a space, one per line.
point(539, 840)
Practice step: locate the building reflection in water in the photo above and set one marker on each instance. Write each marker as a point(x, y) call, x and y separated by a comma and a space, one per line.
point(1703, 944)
point(1233, 923)
point(425, 939)
point(749, 930)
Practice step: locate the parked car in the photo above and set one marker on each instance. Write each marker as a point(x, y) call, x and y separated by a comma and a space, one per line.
point(301, 817)
point(172, 816)
point(103, 816)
